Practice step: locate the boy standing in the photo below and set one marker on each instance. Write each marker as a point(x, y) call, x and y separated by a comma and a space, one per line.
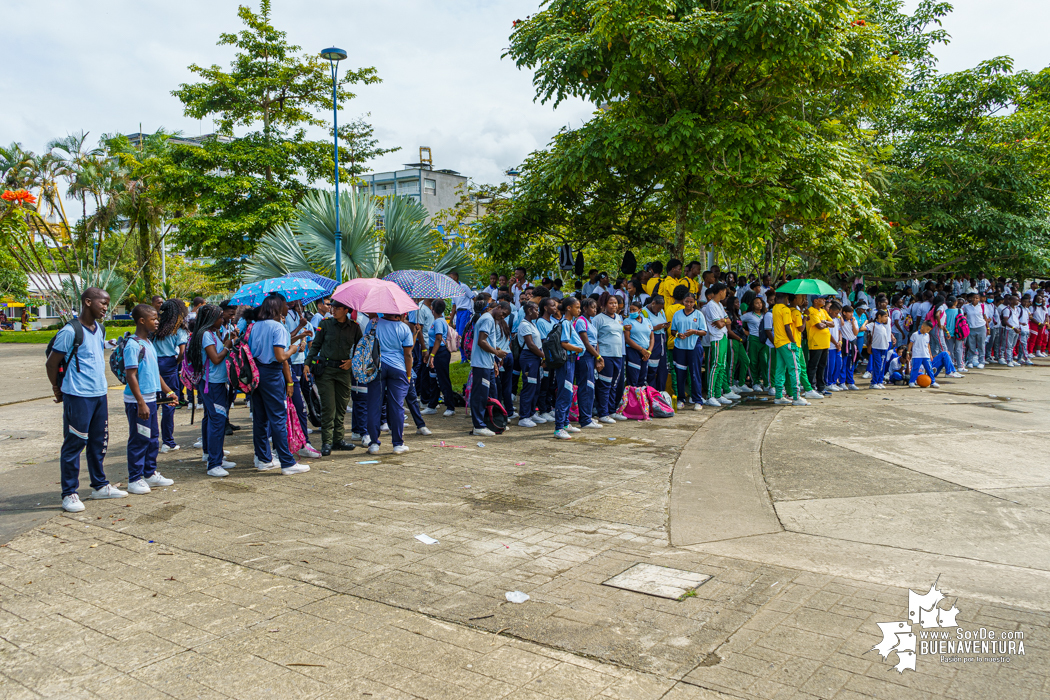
point(78, 379)
point(974, 312)
point(818, 336)
point(919, 352)
point(785, 346)
point(140, 402)
point(880, 336)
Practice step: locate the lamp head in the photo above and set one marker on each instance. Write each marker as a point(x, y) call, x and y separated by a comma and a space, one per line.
point(333, 54)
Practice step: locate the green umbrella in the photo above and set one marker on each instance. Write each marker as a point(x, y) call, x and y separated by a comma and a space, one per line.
point(818, 287)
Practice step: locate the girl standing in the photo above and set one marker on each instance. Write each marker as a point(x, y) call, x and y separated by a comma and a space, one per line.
point(609, 327)
point(207, 354)
point(639, 337)
point(688, 326)
point(570, 341)
point(589, 361)
point(440, 358)
point(656, 375)
point(170, 344)
point(531, 359)
point(391, 386)
point(757, 352)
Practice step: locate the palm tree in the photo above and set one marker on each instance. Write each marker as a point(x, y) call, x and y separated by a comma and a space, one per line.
point(14, 166)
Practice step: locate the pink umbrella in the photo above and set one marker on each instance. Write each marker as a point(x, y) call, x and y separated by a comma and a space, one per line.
point(371, 295)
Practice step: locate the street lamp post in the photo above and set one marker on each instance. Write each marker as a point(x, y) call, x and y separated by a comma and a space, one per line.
point(333, 56)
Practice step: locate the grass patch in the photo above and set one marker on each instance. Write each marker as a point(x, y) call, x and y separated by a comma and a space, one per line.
point(43, 337)
point(458, 373)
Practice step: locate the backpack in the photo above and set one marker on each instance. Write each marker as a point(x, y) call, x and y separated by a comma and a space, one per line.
point(962, 327)
point(515, 347)
point(635, 403)
point(365, 360)
point(296, 438)
point(116, 358)
point(553, 352)
point(495, 416)
point(240, 365)
point(312, 397)
point(452, 341)
point(466, 345)
point(78, 340)
point(660, 405)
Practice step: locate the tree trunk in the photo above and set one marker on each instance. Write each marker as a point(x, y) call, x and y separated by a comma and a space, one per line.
point(147, 256)
point(681, 220)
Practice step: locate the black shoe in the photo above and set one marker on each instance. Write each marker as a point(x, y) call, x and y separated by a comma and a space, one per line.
point(231, 426)
point(326, 450)
point(343, 445)
point(229, 430)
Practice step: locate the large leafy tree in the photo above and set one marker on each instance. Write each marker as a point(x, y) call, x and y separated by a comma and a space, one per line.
point(237, 188)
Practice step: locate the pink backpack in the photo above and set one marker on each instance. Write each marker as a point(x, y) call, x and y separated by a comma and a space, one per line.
point(296, 439)
point(574, 408)
point(659, 406)
point(453, 340)
point(635, 403)
point(240, 365)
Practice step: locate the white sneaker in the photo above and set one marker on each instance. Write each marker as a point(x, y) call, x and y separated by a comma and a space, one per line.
point(400, 449)
point(164, 449)
point(526, 423)
point(296, 468)
point(681, 405)
point(538, 419)
point(698, 406)
point(619, 416)
point(724, 401)
point(199, 444)
point(218, 471)
point(1002, 362)
point(593, 425)
point(745, 389)
point(513, 416)
point(483, 432)
point(980, 366)
point(772, 391)
point(713, 402)
point(935, 385)
point(562, 435)
point(72, 504)
point(866, 375)
point(757, 389)
point(732, 396)
point(813, 394)
point(158, 480)
point(571, 429)
point(310, 452)
point(200, 406)
point(549, 416)
point(800, 402)
point(1011, 363)
point(108, 491)
point(880, 386)
point(423, 431)
point(429, 411)
point(782, 401)
point(266, 466)
point(449, 413)
point(384, 428)
point(610, 420)
point(956, 375)
point(853, 387)
point(204, 455)
point(355, 436)
point(913, 385)
point(366, 440)
point(373, 449)
point(833, 387)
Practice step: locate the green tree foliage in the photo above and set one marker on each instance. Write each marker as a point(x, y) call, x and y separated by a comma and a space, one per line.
point(234, 190)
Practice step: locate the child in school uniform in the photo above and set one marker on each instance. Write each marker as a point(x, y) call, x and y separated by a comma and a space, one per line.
point(757, 352)
point(848, 330)
point(1024, 315)
point(919, 352)
point(880, 336)
point(834, 364)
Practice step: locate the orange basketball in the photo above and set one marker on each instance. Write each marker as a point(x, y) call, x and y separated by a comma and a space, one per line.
point(924, 380)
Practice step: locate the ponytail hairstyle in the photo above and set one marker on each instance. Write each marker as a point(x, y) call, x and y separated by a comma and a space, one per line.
point(207, 315)
point(565, 304)
point(502, 323)
point(172, 312)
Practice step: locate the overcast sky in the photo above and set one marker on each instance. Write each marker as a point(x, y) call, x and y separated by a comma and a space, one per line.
point(107, 65)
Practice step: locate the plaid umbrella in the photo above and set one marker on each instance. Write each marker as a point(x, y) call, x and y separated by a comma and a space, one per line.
point(327, 284)
point(420, 284)
point(291, 289)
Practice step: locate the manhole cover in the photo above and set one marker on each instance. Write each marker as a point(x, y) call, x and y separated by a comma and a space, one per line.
point(659, 581)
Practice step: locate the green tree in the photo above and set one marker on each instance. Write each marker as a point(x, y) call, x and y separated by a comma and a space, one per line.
point(234, 190)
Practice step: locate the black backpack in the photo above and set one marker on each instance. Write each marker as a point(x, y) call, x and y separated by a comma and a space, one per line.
point(553, 352)
point(78, 340)
point(515, 347)
point(495, 416)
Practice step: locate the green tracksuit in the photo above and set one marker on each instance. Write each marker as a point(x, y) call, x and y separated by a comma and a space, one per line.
point(758, 360)
point(715, 360)
point(787, 368)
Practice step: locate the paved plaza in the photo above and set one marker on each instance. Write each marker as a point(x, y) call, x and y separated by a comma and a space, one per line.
point(812, 524)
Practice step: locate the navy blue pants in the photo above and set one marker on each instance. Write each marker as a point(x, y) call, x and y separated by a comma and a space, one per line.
point(359, 398)
point(412, 401)
point(637, 370)
point(606, 400)
point(878, 365)
point(85, 424)
point(505, 384)
point(298, 401)
point(656, 376)
point(481, 381)
point(390, 387)
point(270, 415)
point(530, 383)
point(143, 440)
point(687, 364)
point(439, 376)
point(169, 372)
point(545, 400)
point(563, 399)
point(584, 376)
point(213, 427)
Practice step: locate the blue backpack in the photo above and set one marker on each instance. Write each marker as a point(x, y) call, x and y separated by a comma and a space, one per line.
point(116, 359)
point(365, 361)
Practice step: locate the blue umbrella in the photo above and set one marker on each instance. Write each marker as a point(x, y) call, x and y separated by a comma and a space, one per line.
point(291, 289)
point(421, 284)
point(326, 283)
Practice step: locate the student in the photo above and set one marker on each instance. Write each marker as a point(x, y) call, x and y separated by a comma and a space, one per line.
point(389, 389)
point(879, 338)
point(414, 321)
point(330, 358)
point(78, 380)
point(324, 310)
point(899, 321)
point(848, 338)
point(439, 360)
point(272, 347)
point(818, 338)
point(589, 363)
point(670, 283)
point(170, 343)
point(544, 324)
point(505, 378)
point(785, 343)
point(757, 353)
point(483, 368)
point(570, 341)
point(1037, 324)
point(359, 391)
point(717, 320)
point(835, 348)
point(530, 360)
point(1024, 316)
point(956, 347)
point(140, 402)
point(299, 329)
point(975, 342)
point(919, 352)
point(736, 353)
point(687, 326)
point(1011, 331)
point(638, 335)
point(800, 302)
point(656, 374)
point(207, 353)
point(493, 288)
point(608, 325)
point(766, 329)
point(462, 306)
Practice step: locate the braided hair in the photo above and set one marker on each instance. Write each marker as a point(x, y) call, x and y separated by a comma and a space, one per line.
point(172, 312)
point(207, 315)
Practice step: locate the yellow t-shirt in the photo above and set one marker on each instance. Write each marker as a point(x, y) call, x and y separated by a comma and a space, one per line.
point(781, 317)
point(669, 312)
point(819, 338)
point(651, 285)
point(694, 288)
point(667, 288)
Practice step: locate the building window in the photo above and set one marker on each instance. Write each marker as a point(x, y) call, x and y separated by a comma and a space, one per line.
point(430, 186)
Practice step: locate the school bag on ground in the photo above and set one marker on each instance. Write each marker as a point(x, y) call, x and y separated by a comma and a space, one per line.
point(296, 439)
point(116, 359)
point(553, 352)
point(78, 340)
point(365, 360)
point(635, 403)
point(660, 405)
point(495, 416)
point(240, 365)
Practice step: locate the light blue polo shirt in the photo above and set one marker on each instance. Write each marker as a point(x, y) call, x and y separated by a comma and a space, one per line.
point(681, 323)
point(479, 358)
point(656, 320)
point(140, 354)
point(528, 328)
point(291, 322)
point(570, 336)
point(610, 334)
point(393, 337)
point(641, 330)
point(544, 326)
point(438, 327)
point(502, 342)
point(265, 335)
point(586, 325)
point(169, 346)
point(91, 379)
point(216, 372)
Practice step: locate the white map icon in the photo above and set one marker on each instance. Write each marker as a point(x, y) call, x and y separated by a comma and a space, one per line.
point(898, 636)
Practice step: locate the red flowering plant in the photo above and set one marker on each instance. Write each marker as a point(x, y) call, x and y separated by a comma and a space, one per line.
point(18, 197)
